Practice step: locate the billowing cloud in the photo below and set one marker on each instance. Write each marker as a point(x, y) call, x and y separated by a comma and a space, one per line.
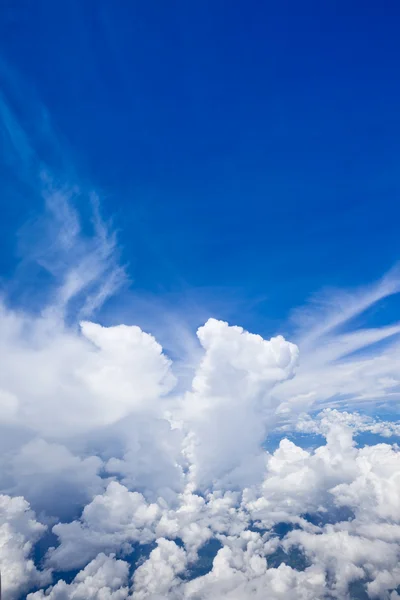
point(230, 406)
point(111, 522)
point(53, 479)
point(141, 486)
point(19, 530)
point(158, 576)
point(104, 578)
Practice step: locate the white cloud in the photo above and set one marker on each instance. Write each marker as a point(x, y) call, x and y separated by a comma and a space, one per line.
point(374, 494)
point(230, 406)
point(19, 530)
point(343, 364)
point(128, 367)
point(358, 423)
point(333, 308)
point(111, 522)
point(239, 572)
point(57, 382)
point(83, 262)
point(104, 578)
point(158, 575)
point(53, 480)
point(346, 557)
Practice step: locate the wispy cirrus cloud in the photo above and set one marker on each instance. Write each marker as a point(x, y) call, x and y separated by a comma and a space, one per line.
point(341, 363)
point(79, 256)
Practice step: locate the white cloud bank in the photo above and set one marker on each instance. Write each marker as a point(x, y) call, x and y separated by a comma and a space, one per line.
point(112, 460)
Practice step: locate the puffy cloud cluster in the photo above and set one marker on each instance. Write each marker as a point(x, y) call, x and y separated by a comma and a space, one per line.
point(306, 489)
point(104, 578)
point(112, 522)
point(357, 422)
point(19, 530)
point(159, 575)
point(150, 493)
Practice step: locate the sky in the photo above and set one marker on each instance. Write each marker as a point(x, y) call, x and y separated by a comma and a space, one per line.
point(251, 148)
point(199, 299)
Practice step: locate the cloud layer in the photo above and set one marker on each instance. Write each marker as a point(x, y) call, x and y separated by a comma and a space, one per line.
point(146, 493)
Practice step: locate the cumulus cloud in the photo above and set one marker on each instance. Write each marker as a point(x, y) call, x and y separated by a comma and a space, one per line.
point(84, 370)
point(111, 522)
point(104, 578)
point(357, 422)
point(364, 546)
point(19, 530)
point(104, 446)
point(230, 406)
point(158, 575)
point(54, 480)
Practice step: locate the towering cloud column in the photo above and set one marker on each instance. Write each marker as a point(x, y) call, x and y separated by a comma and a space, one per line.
point(230, 406)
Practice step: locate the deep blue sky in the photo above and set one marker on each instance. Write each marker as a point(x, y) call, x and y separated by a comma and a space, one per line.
point(245, 146)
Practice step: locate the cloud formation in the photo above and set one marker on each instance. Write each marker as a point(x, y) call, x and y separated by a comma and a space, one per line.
point(19, 530)
point(334, 507)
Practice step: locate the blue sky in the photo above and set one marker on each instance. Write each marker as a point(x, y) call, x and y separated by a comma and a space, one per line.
point(182, 170)
point(247, 152)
